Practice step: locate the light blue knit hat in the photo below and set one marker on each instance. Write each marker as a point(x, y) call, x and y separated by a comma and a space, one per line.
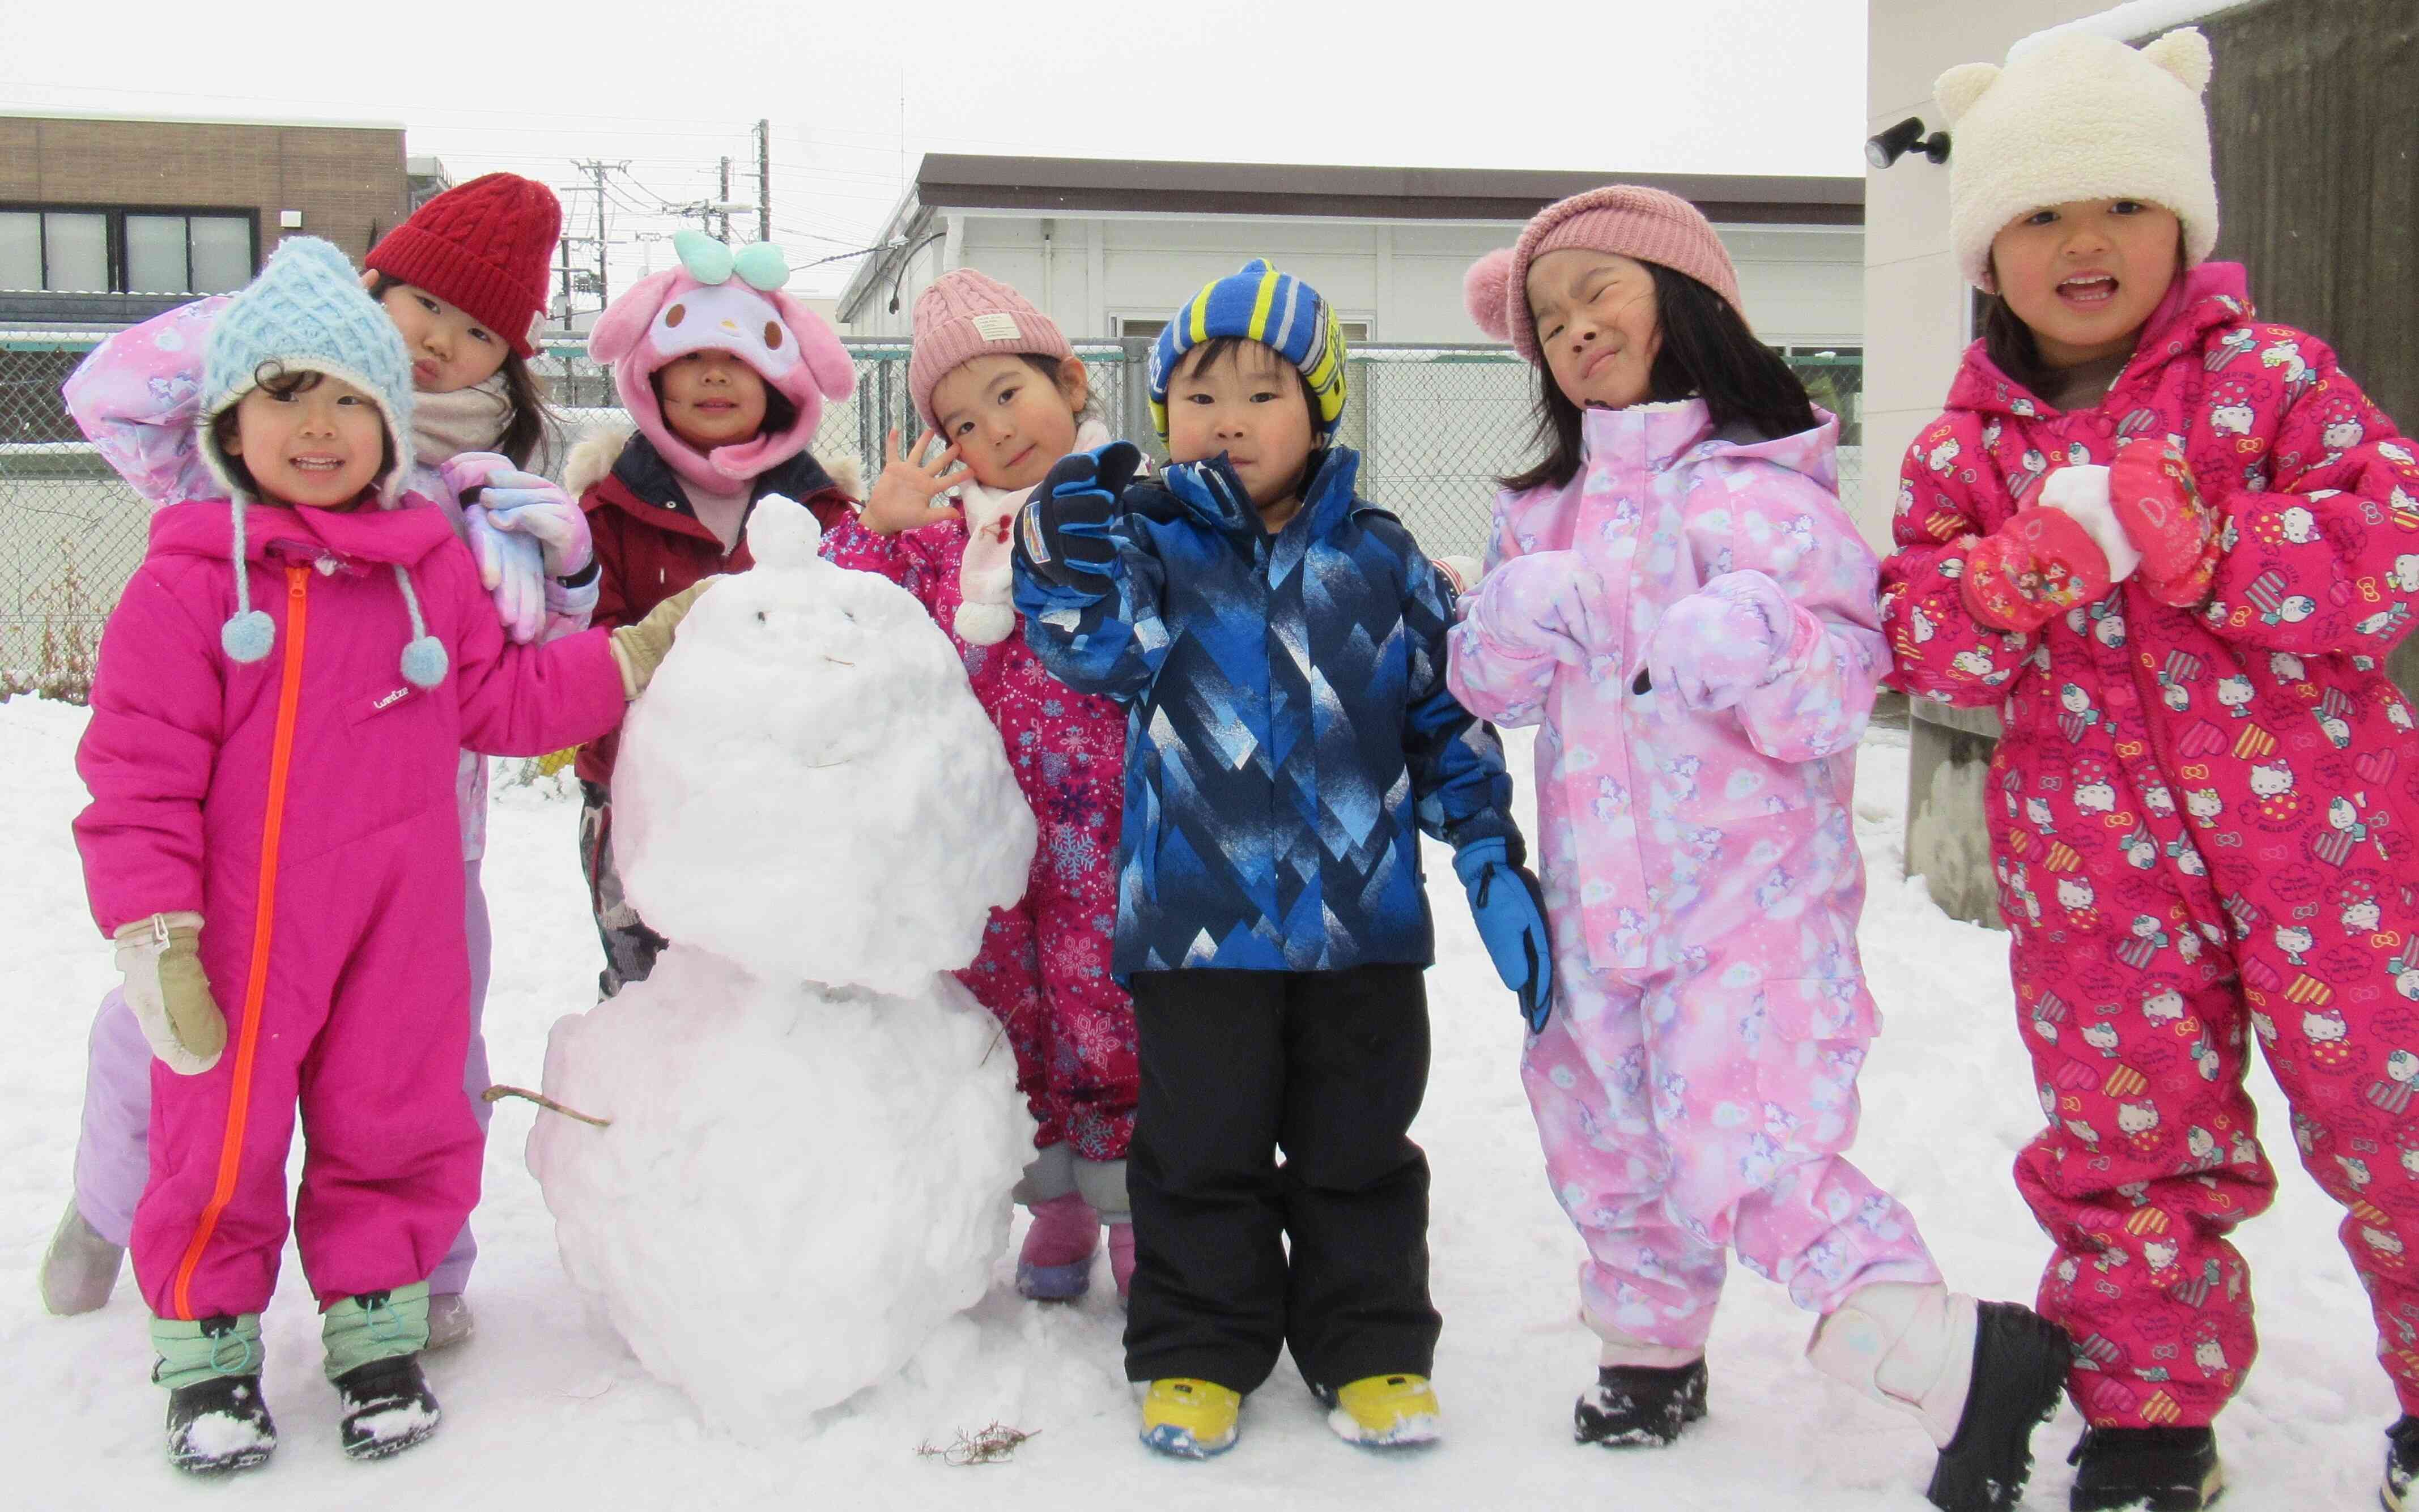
point(307, 312)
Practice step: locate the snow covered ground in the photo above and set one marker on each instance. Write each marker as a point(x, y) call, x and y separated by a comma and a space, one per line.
point(545, 1408)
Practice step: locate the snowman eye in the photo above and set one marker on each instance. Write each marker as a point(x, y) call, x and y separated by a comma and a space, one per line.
point(760, 618)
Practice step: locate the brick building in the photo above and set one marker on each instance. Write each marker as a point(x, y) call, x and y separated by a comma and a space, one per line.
point(108, 220)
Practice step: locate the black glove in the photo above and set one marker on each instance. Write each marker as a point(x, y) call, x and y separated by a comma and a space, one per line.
point(1064, 533)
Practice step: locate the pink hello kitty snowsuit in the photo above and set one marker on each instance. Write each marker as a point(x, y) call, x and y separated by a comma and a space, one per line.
point(2205, 823)
point(305, 806)
point(1044, 971)
point(1695, 1085)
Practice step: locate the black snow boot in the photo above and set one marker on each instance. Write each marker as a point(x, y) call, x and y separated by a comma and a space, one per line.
point(219, 1426)
point(1635, 1404)
point(2152, 1469)
point(2401, 1465)
point(388, 1407)
point(2020, 1364)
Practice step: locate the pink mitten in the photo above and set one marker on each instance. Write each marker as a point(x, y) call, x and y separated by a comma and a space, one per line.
point(1546, 603)
point(1723, 641)
point(2152, 489)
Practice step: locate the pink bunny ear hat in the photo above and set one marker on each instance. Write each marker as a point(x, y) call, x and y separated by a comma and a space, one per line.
point(717, 301)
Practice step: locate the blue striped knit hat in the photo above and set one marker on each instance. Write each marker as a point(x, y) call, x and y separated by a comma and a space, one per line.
point(308, 312)
point(1274, 309)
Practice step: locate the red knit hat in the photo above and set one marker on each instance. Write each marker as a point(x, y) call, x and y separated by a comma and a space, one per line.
point(487, 246)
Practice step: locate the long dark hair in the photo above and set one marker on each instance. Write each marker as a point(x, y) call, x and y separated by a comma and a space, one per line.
point(527, 413)
point(2008, 342)
point(1707, 353)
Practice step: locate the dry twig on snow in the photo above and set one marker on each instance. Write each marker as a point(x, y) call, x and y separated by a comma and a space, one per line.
point(992, 1445)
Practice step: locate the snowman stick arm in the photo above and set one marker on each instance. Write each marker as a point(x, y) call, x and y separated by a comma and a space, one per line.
point(2358, 497)
point(1938, 650)
point(500, 1091)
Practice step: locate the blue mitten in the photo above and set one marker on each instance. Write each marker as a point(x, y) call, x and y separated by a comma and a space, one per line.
point(1510, 910)
point(1064, 531)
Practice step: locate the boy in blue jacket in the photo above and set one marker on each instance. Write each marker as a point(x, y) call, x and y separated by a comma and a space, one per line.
point(1280, 648)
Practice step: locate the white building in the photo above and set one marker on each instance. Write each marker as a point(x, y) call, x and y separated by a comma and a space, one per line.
point(1109, 249)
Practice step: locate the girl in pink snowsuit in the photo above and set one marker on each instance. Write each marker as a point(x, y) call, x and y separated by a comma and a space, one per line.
point(992, 376)
point(282, 695)
point(1675, 598)
point(464, 280)
point(2171, 544)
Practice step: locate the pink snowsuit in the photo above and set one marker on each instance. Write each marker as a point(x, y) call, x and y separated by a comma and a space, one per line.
point(343, 971)
point(1045, 968)
point(1697, 1082)
point(2205, 823)
point(137, 397)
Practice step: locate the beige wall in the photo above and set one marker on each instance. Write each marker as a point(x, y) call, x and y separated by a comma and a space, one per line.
point(1915, 302)
point(347, 181)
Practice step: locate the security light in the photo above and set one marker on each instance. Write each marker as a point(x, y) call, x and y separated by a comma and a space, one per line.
point(1905, 137)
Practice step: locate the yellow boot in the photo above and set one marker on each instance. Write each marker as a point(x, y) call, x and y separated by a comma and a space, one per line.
point(1385, 1411)
point(1190, 1419)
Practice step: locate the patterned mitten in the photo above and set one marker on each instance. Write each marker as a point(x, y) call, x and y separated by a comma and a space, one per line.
point(2150, 488)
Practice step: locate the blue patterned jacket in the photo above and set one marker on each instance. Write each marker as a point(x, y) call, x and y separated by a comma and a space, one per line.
point(1288, 730)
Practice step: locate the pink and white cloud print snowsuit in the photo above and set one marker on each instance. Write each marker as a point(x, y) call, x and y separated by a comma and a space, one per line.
point(1697, 1083)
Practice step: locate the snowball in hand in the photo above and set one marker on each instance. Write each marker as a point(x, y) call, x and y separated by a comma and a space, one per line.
point(798, 1184)
point(809, 787)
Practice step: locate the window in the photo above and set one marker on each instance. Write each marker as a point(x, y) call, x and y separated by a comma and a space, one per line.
point(85, 250)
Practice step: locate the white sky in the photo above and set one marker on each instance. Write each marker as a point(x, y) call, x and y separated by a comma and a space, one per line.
point(1772, 86)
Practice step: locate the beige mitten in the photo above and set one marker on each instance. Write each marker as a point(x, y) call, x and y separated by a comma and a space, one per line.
point(161, 958)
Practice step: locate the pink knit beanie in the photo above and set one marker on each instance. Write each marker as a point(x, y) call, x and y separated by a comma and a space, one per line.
point(964, 314)
point(1644, 224)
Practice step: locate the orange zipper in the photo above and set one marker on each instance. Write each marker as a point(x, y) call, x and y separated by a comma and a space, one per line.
point(281, 753)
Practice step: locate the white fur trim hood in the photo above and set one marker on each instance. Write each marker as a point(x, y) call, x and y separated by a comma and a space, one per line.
point(2078, 117)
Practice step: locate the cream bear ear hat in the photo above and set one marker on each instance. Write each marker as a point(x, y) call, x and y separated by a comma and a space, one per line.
point(2077, 117)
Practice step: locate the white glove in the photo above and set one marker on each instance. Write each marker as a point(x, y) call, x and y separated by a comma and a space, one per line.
point(171, 997)
point(2082, 492)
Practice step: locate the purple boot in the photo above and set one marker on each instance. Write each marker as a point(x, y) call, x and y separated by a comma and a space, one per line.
point(1055, 1265)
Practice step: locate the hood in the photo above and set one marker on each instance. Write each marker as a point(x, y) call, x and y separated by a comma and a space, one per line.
point(1211, 494)
point(716, 302)
point(1667, 431)
point(358, 539)
point(2200, 301)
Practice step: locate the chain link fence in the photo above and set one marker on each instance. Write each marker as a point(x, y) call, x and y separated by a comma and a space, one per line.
point(1435, 425)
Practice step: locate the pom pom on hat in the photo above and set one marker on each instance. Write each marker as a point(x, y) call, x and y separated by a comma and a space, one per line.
point(248, 634)
point(1486, 289)
point(2077, 117)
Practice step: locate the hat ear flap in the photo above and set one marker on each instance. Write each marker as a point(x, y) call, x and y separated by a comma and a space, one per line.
point(2183, 53)
point(1960, 87)
point(827, 360)
point(625, 322)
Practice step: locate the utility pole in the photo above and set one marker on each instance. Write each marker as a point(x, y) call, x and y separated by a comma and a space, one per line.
point(726, 200)
point(596, 170)
point(764, 181)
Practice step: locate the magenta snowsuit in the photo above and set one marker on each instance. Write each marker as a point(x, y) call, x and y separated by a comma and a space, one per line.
point(1044, 967)
point(1697, 1083)
point(2205, 823)
point(343, 971)
point(137, 397)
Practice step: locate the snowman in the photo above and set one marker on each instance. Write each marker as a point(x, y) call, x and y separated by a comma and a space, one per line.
point(811, 1129)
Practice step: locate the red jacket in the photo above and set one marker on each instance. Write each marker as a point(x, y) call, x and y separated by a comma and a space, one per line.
point(650, 544)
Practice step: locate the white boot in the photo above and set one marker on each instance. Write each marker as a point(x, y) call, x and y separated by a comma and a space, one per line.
point(1904, 1346)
